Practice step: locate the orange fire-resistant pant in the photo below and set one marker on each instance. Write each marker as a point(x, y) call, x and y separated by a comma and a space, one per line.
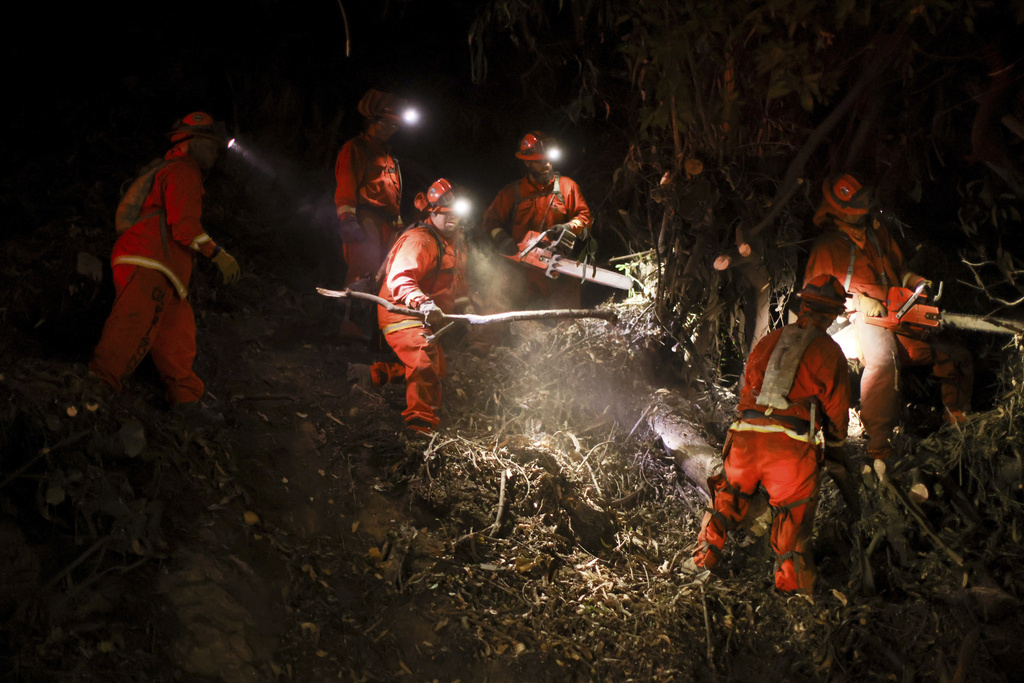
point(882, 353)
point(148, 317)
point(789, 470)
point(422, 367)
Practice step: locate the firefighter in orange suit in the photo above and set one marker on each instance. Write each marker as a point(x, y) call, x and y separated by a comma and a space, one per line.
point(152, 265)
point(368, 198)
point(862, 254)
point(541, 200)
point(425, 271)
point(796, 383)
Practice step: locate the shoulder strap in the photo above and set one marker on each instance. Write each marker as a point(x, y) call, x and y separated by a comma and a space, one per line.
point(398, 172)
point(555, 192)
point(439, 243)
point(134, 196)
point(882, 257)
point(852, 260)
point(510, 220)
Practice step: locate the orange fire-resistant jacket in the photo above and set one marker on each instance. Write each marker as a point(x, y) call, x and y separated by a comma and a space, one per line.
point(523, 206)
point(877, 262)
point(822, 375)
point(414, 275)
point(367, 176)
point(176, 202)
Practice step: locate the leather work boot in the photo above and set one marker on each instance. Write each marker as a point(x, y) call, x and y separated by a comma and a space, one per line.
point(197, 414)
point(690, 568)
point(360, 375)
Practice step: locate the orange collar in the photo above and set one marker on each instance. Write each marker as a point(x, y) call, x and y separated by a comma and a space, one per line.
point(858, 235)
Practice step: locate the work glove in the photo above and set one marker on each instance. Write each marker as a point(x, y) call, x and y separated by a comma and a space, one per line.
point(506, 245)
point(228, 266)
point(919, 280)
point(351, 230)
point(562, 232)
point(872, 308)
point(432, 315)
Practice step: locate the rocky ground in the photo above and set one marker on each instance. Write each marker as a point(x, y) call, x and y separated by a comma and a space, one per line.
point(290, 532)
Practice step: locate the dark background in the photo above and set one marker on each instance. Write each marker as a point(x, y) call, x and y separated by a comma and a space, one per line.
point(96, 89)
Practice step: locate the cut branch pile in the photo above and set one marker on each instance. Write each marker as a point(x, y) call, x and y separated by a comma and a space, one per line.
point(568, 522)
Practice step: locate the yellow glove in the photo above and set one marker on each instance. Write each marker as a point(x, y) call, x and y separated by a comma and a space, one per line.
point(872, 308)
point(228, 266)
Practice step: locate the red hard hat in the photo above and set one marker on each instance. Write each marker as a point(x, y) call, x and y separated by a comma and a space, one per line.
point(198, 124)
point(439, 198)
point(534, 146)
point(378, 105)
point(825, 294)
point(845, 198)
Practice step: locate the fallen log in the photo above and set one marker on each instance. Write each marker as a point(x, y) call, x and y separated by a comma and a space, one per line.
point(670, 418)
point(681, 438)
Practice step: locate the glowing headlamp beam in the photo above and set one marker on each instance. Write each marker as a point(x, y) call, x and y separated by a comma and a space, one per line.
point(410, 117)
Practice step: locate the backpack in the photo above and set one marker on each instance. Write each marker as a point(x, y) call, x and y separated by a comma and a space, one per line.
point(132, 199)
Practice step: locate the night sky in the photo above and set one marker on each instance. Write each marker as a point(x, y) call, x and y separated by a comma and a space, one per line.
point(97, 91)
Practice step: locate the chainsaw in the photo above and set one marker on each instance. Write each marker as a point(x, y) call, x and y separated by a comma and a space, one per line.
point(910, 315)
point(548, 252)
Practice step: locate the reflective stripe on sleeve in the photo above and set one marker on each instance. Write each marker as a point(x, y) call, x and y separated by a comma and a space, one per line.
point(200, 239)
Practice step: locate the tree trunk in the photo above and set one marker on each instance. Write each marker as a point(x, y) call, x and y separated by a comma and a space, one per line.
point(682, 439)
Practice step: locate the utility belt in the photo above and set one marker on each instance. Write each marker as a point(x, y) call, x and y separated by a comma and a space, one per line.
point(795, 423)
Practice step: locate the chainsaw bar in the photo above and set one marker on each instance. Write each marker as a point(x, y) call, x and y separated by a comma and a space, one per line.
point(962, 321)
point(554, 264)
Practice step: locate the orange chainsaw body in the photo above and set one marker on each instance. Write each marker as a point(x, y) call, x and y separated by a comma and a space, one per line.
point(918, 318)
